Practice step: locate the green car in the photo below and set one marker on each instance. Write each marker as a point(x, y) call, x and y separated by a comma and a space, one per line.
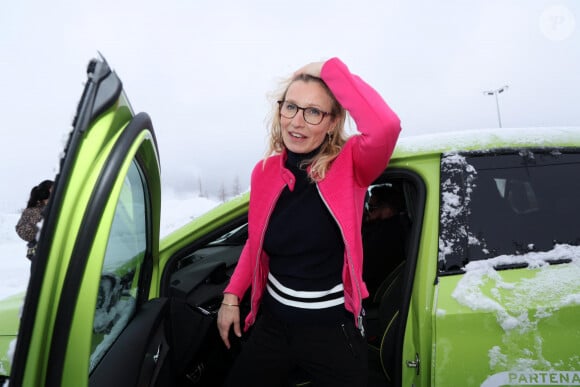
point(483, 288)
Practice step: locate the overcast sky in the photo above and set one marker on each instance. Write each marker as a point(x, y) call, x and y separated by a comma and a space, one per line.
point(203, 71)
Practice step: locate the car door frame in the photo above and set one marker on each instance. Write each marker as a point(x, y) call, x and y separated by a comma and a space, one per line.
point(412, 328)
point(50, 315)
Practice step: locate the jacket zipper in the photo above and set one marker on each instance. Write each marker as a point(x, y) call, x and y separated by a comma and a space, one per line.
point(350, 265)
point(261, 248)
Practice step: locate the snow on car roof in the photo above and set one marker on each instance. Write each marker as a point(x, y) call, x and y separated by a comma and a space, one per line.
point(478, 139)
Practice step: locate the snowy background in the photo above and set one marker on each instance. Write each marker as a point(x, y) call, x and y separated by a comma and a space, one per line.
point(15, 268)
point(203, 71)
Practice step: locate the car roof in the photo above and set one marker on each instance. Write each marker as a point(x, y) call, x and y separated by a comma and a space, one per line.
point(486, 139)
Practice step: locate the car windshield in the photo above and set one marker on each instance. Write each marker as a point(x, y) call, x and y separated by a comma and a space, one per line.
point(509, 203)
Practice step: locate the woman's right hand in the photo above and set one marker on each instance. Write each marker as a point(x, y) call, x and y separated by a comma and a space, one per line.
point(228, 315)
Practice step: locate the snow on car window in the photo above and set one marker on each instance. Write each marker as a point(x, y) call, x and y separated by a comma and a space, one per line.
point(504, 202)
point(456, 192)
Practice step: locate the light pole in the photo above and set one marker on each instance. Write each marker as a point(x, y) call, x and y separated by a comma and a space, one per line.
point(496, 92)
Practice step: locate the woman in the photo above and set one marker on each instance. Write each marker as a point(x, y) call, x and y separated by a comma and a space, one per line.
point(27, 226)
point(303, 256)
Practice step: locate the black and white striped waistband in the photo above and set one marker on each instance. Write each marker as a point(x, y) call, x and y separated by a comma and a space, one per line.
point(319, 299)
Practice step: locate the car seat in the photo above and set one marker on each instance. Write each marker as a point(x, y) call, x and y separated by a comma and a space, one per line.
point(389, 316)
point(382, 315)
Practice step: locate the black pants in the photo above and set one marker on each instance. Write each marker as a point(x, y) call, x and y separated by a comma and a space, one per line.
point(280, 354)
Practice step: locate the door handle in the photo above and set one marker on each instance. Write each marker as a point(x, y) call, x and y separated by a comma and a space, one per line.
point(415, 364)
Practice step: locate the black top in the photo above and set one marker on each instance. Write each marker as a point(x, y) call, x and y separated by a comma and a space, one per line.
point(306, 253)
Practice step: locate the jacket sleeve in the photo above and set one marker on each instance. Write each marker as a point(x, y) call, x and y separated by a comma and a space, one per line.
point(242, 276)
point(27, 228)
point(378, 125)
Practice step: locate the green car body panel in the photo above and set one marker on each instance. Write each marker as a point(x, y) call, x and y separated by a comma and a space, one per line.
point(529, 331)
point(475, 326)
point(524, 329)
point(200, 227)
point(10, 311)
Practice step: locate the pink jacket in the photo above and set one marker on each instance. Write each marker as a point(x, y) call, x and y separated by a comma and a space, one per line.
point(361, 161)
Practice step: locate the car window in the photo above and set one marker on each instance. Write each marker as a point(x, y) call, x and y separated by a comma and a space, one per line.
point(126, 245)
point(510, 203)
point(385, 231)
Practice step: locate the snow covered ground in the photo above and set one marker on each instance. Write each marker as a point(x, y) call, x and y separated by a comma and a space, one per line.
point(176, 210)
point(15, 268)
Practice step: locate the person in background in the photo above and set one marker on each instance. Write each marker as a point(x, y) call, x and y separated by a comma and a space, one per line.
point(303, 257)
point(27, 227)
point(383, 234)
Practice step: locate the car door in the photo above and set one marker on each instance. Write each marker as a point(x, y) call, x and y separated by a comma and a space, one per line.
point(87, 318)
point(507, 307)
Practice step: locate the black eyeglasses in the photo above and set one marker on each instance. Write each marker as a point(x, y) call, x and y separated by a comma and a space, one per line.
point(312, 115)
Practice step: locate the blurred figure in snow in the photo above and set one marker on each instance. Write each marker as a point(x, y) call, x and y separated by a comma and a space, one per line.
point(27, 226)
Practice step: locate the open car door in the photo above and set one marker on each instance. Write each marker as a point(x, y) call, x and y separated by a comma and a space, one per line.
point(87, 318)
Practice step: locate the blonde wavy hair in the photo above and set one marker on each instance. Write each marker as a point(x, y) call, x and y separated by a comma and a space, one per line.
point(331, 146)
